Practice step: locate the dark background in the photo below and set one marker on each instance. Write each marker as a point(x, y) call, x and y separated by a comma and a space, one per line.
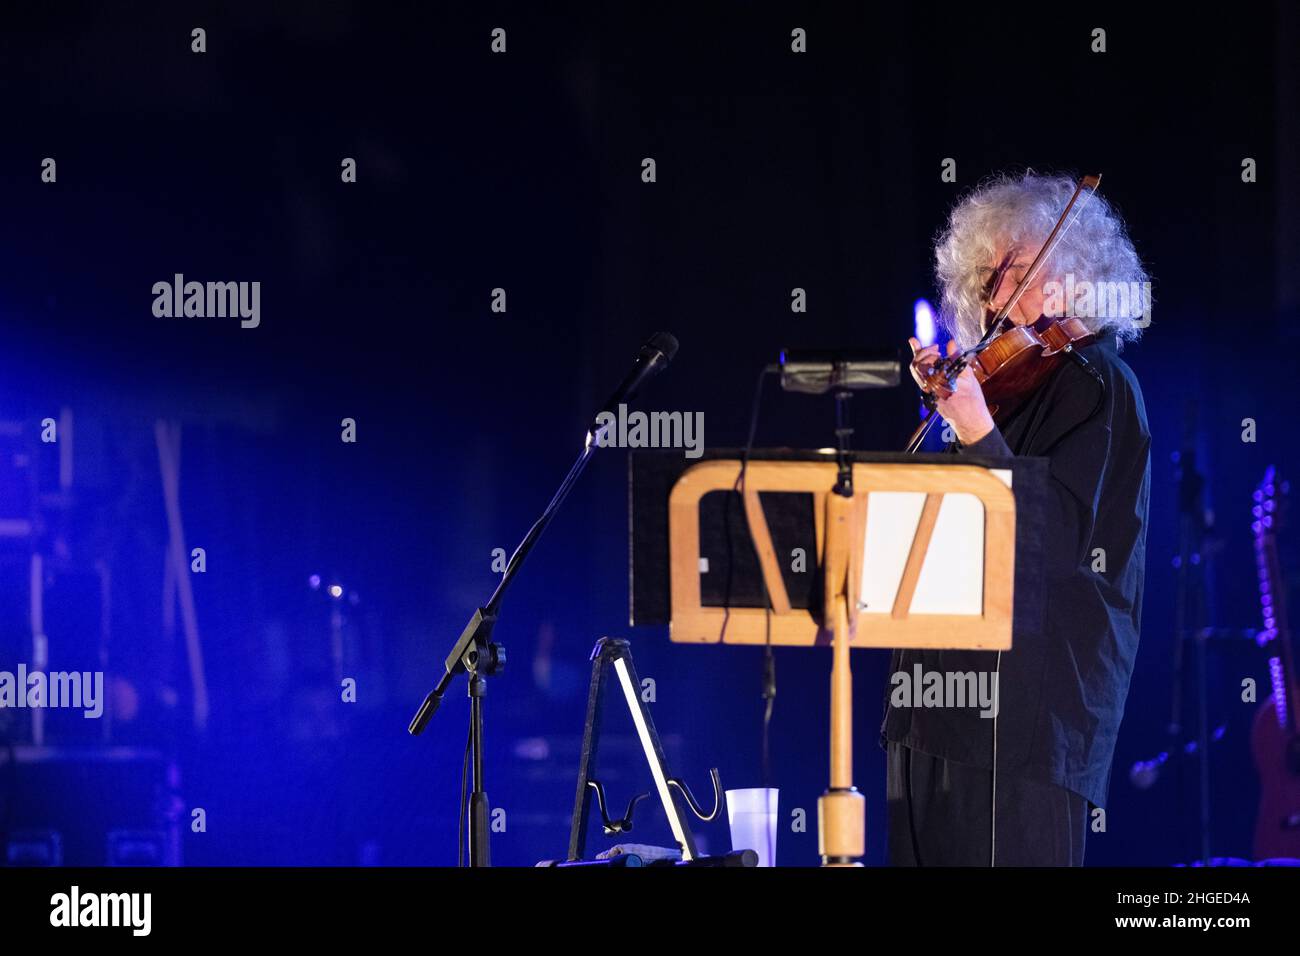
point(522, 171)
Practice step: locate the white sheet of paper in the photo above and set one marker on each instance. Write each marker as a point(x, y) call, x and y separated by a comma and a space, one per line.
point(952, 575)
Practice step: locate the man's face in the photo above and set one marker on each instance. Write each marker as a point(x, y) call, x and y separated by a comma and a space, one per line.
point(1003, 274)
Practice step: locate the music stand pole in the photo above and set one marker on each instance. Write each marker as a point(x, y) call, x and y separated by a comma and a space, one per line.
point(841, 810)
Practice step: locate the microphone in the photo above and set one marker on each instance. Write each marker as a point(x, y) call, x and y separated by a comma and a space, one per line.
point(654, 357)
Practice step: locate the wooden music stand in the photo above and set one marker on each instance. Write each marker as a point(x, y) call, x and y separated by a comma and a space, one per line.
point(903, 600)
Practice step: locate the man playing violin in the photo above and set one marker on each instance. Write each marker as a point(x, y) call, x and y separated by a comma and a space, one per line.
point(1021, 789)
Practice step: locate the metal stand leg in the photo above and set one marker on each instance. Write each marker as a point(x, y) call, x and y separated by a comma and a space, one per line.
point(479, 848)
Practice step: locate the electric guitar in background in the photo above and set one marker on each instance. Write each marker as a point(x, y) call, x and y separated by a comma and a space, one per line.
point(1275, 737)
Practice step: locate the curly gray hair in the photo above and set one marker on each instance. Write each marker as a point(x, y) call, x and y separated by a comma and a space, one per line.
point(1013, 210)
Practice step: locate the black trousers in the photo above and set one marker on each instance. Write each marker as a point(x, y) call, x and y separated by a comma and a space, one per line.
point(939, 815)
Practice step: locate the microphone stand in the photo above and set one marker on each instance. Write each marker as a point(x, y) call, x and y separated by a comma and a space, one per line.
point(1189, 615)
point(477, 655)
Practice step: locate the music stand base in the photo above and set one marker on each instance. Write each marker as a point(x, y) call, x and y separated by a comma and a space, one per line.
point(841, 827)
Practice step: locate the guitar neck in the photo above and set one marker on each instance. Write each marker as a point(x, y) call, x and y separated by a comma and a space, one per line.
point(1273, 601)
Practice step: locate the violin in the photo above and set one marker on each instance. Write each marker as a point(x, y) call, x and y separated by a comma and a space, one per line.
point(1011, 362)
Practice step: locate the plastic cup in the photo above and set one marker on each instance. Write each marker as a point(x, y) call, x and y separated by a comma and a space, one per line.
point(752, 814)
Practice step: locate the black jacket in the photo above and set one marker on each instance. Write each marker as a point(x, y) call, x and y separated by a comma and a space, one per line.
point(1062, 692)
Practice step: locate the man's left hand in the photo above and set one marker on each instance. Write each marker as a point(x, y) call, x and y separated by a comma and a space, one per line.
point(965, 409)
